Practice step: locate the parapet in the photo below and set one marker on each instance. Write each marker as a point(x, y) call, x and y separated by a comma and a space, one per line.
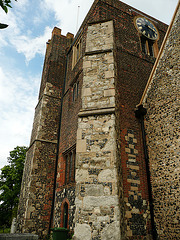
point(57, 31)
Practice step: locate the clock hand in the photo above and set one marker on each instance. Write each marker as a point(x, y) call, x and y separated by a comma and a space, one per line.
point(151, 28)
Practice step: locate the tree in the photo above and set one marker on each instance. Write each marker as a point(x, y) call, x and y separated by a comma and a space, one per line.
point(4, 4)
point(10, 185)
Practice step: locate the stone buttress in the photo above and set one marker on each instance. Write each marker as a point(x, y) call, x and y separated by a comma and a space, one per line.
point(97, 213)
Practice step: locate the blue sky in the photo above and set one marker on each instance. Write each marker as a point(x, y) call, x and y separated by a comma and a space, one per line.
point(22, 50)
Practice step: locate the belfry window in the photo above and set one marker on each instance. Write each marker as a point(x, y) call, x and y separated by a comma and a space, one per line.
point(147, 46)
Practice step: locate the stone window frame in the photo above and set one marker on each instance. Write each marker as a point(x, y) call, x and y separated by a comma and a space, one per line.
point(77, 51)
point(70, 161)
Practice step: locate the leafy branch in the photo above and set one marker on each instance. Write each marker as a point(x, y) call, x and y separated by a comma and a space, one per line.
point(5, 4)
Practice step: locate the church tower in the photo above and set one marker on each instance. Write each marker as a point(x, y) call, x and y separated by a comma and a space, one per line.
point(86, 160)
point(38, 179)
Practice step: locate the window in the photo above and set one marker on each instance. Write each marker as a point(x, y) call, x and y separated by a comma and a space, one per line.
point(65, 215)
point(70, 158)
point(75, 91)
point(77, 51)
point(148, 46)
point(65, 206)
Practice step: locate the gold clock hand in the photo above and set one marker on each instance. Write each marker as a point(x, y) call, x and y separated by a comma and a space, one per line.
point(151, 28)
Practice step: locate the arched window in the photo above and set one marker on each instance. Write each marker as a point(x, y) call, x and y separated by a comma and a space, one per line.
point(65, 215)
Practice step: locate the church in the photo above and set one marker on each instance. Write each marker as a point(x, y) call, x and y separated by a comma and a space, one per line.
point(103, 158)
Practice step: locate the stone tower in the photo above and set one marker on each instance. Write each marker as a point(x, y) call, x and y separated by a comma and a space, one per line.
point(38, 178)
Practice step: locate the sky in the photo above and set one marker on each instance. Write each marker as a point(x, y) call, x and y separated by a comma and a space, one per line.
point(22, 51)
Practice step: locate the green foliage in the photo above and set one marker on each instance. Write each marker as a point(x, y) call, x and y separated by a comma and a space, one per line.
point(10, 185)
point(3, 229)
point(4, 4)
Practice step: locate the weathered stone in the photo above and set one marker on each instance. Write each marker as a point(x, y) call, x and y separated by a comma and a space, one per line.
point(82, 232)
point(81, 146)
point(98, 94)
point(20, 236)
point(111, 232)
point(94, 190)
point(106, 175)
point(91, 201)
point(82, 175)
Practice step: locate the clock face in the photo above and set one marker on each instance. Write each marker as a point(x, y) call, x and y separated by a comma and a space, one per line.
point(146, 28)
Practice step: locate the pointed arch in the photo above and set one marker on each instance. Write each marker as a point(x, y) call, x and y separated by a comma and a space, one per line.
point(65, 206)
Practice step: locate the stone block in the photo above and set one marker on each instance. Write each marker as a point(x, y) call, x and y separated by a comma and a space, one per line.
point(109, 74)
point(78, 202)
point(129, 233)
point(109, 92)
point(103, 219)
point(82, 175)
point(79, 134)
point(81, 146)
point(106, 175)
point(111, 231)
point(97, 210)
point(90, 202)
point(127, 150)
point(82, 232)
point(94, 190)
point(87, 64)
point(86, 92)
point(107, 191)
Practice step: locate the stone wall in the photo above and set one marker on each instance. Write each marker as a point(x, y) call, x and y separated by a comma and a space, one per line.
point(22, 236)
point(97, 205)
point(162, 129)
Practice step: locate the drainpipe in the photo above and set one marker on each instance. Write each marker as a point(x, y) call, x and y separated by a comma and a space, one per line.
point(140, 113)
point(57, 151)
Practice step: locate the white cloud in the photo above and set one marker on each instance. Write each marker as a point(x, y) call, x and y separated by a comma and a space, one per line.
point(20, 38)
point(17, 102)
point(31, 46)
point(66, 12)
